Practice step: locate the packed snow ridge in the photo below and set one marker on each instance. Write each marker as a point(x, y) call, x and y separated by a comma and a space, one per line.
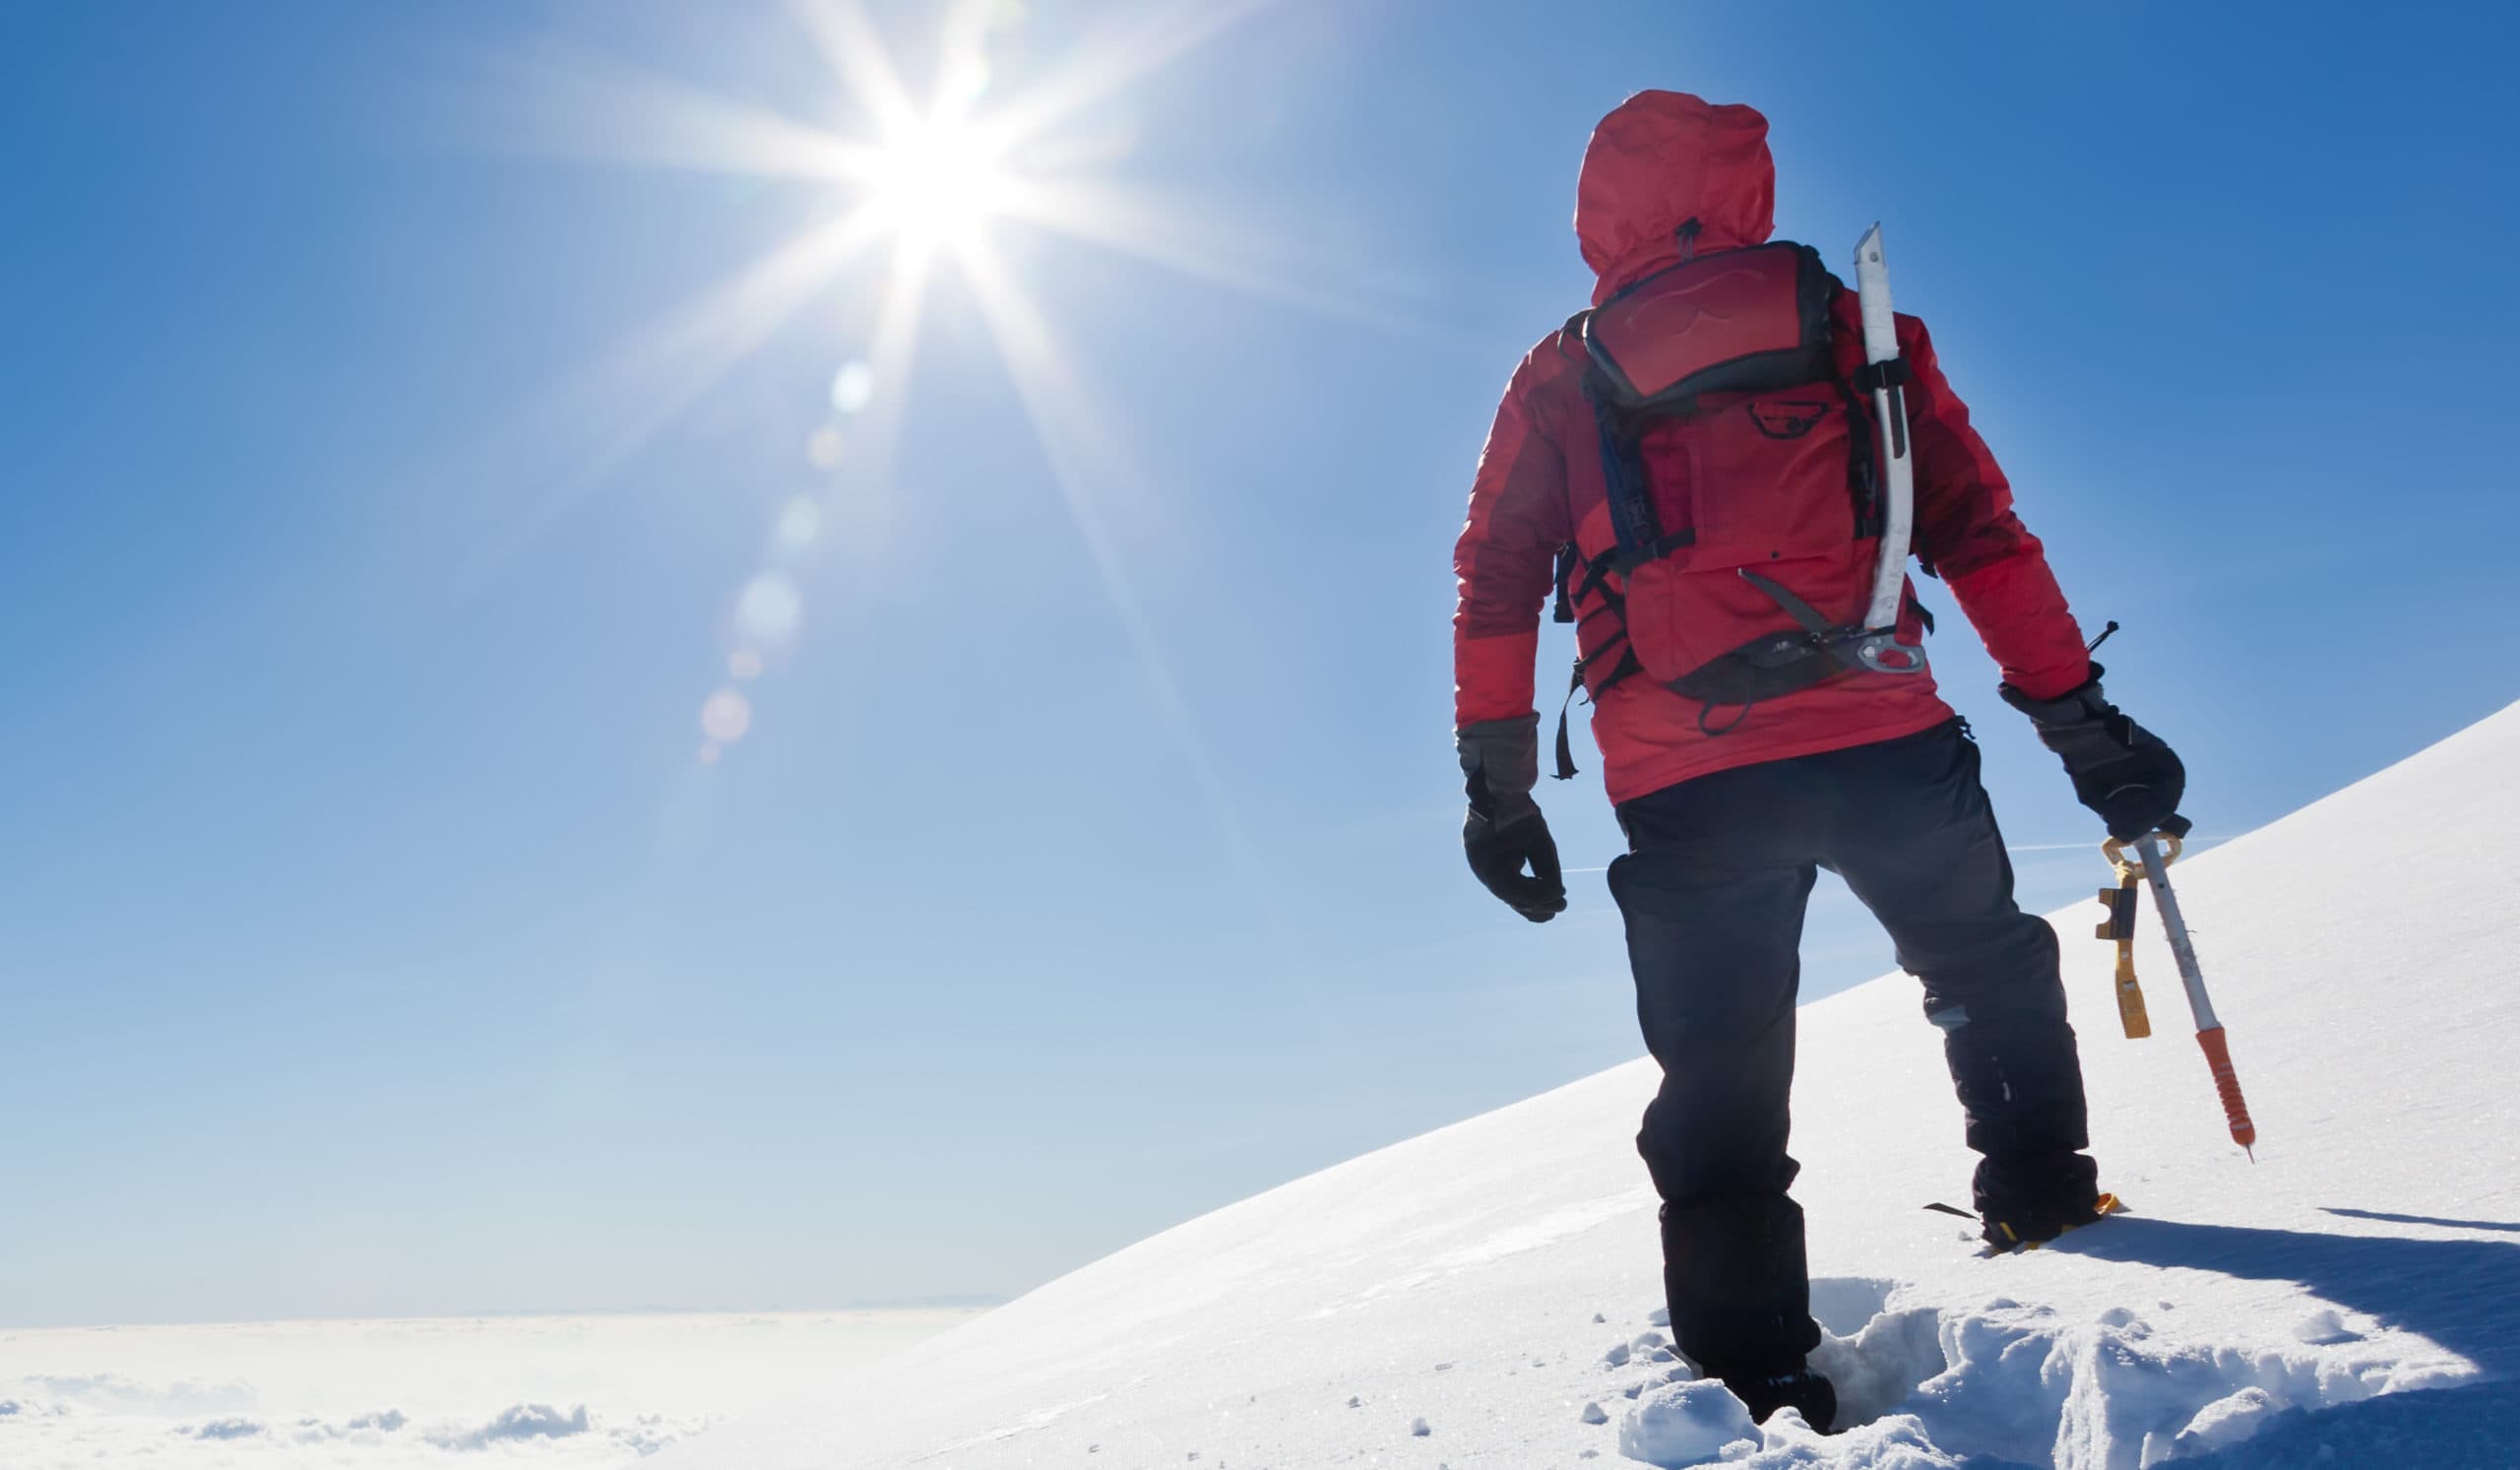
point(1485, 1295)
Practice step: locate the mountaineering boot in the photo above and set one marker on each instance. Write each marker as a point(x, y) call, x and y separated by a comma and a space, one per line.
point(2032, 1192)
point(1801, 1389)
point(2022, 1230)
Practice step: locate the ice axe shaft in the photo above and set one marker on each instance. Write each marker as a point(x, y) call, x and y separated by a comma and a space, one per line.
point(2148, 851)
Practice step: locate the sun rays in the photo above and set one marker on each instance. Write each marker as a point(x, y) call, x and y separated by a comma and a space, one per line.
point(928, 181)
point(924, 184)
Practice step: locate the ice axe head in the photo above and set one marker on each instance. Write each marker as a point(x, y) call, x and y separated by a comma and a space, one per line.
point(2115, 849)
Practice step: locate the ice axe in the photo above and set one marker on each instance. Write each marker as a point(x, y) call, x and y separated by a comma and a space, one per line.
point(2154, 854)
point(1883, 376)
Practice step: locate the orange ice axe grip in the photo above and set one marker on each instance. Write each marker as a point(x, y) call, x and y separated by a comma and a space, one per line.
point(2217, 1055)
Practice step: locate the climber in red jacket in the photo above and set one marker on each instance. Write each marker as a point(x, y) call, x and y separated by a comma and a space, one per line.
point(1713, 523)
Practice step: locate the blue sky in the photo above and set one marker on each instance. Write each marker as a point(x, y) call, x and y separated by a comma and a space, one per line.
point(375, 937)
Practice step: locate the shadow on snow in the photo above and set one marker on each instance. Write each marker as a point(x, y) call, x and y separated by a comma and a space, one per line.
point(2462, 1293)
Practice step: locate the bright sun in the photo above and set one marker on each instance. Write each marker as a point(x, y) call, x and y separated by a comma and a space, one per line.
point(939, 181)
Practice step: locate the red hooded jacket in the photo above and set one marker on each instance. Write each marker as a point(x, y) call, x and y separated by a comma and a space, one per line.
point(1658, 159)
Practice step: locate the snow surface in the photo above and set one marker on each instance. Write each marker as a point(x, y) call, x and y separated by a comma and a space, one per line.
point(1487, 1295)
point(438, 1394)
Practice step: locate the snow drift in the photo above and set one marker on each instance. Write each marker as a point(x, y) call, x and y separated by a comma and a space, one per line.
point(1487, 1295)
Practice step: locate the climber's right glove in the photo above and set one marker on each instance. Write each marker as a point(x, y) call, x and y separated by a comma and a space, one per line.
point(2119, 769)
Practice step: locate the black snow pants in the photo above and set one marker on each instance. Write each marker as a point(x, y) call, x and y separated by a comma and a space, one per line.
point(1712, 889)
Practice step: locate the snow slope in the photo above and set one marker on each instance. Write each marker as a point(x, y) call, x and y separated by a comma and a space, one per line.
point(1485, 1295)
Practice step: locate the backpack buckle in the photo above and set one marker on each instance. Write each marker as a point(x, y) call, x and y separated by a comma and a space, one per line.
point(1883, 653)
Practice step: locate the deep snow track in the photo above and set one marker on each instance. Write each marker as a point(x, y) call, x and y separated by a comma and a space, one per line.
point(1481, 1295)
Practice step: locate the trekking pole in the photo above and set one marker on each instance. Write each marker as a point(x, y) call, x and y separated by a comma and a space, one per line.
point(2150, 852)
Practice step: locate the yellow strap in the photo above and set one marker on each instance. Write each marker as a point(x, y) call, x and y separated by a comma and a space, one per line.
point(2131, 1014)
point(2130, 995)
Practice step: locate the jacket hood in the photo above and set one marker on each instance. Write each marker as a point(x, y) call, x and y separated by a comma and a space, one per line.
point(1659, 159)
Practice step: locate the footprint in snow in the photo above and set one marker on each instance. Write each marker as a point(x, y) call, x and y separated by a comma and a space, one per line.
point(1593, 1414)
point(1419, 1428)
point(1660, 1316)
point(1618, 1356)
point(2324, 1329)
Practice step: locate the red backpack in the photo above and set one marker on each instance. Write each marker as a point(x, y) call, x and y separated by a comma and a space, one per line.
point(1742, 472)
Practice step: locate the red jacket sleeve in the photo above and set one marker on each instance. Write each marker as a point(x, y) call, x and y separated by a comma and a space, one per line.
point(1966, 529)
point(1506, 557)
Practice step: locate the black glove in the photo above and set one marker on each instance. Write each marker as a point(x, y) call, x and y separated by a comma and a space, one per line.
point(2120, 770)
point(1504, 831)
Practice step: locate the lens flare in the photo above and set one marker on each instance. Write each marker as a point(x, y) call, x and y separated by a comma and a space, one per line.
point(822, 451)
point(767, 608)
point(852, 388)
point(726, 716)
point(800, 525)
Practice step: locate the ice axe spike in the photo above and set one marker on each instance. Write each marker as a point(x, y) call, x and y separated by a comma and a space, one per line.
point(2156, 852)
